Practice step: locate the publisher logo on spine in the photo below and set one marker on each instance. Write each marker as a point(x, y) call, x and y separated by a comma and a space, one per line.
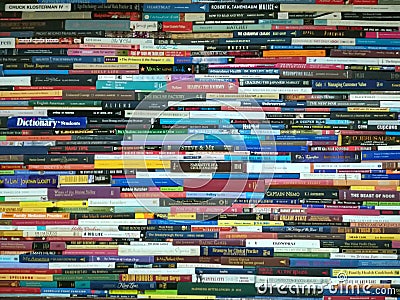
point(208, 148)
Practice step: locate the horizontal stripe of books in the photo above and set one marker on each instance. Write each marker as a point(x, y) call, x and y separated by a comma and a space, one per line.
point(200, 150)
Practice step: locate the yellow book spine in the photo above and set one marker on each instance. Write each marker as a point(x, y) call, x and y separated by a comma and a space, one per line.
point(139, 60)
point(35, 277)
point(372, 237)
point(368, 109)
point(362, 188)
point(28, 94)
point(23, 209)
point(123, 292)
point(11, 233)
point(277, 53)
point(73, 179)
point(132, 164)
point(144, 215)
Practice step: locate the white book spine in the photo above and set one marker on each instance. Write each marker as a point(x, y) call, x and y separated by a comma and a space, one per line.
point(242, 96)
point(124, 202)
point(249, 229)
point(373, 219)
point(245, 115)
point(162, 271)
point(349, 166)
point(292, 280)
point(316, 8)
point(112, 234)
point(223, 278)
point(278, 168)
point(362, 256)
point(205, 103)
point(387, 207)
point(152, 244)
point(23, 192)
point(324, 41)
point(144, 26)
point(80, 228)
point(374, 97)
point(6, 228)
point(334, 176)
point(156, 114)
point(141, 174)
point(23, 113)
point(38, 7)
point(383, 23)
point(110, 222)
point(25, 198)
point(376, 8)
point(342, 60)
point(197, 265)
point(43, 233)
point(7, 43)
point(149, 47)
point(365, 281)
point(135, 77)
point(318, 250)
point(120, 41)
point(174, 250)
point(84, 265)
point(283, 243)
point(14, 80)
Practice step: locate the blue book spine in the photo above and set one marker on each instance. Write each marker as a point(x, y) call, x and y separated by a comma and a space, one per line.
point(28, 258)
point(329, 157)
point(109, 25)
point(181, 222)
point(233, 80)
point(181, 235)
point(256, 41)
point(281, 21)
point(286, 47)
point(14, 103)
point(255, 176)
point(41, 284)
point(126, 285)
point(180, 8)
point(380, 155)
point(268, 201)
point(35, 72)
point(303, 229)
point(202, 60)
point(9, 258)
point(154, 209)
point(244, 71)
point(259, 158)
point(353, 84)
point(379, 42)
point(306, 137)
point(380, 176)
point(146, 182)
point(23, 150)
point(29, 181)
point(247, 270)
point(67, 59)
point(46, 123)
point(19, 265)
point(130, 259)
point(171, 17)
point(28, 172)
point(322, 262)
point(131, 85)
point(20, 34)
point(368, 48)
point(236, 251)
point(228, 195)
point(194, 121)
point(72, 291)
point(379, 263)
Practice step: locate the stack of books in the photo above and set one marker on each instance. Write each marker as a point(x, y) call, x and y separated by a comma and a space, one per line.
point(200, 150)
